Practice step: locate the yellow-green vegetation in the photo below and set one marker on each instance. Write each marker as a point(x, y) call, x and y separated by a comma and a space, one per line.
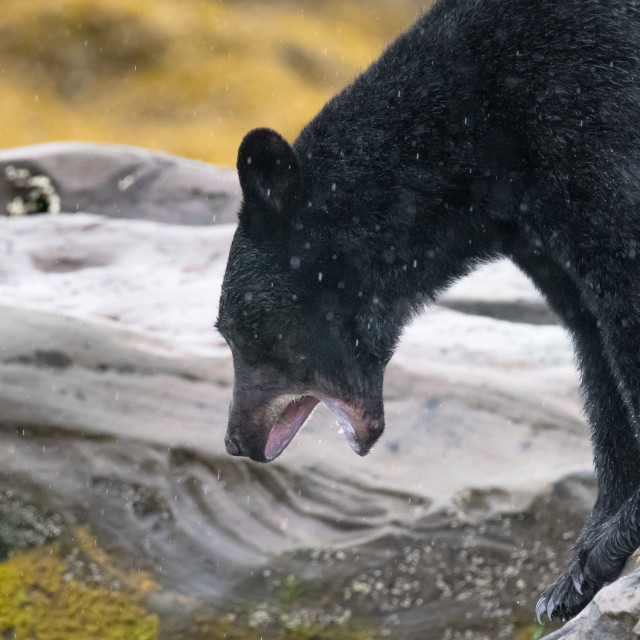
point(331, 633)
point(291, 591)
point(224, 630)
point(536, 631)
point(71, 590)
point(186, 76)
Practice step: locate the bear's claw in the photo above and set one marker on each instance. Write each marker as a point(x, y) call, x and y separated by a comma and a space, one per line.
point(540, 609)
point(567, 596)
point(576, 584)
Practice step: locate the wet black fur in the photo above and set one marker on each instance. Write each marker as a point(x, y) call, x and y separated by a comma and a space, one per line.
point(491, 128)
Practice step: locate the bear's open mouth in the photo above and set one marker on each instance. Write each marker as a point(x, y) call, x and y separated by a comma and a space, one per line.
point(288, 414)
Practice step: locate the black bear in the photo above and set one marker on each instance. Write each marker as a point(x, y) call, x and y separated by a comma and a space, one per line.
point(488, 129)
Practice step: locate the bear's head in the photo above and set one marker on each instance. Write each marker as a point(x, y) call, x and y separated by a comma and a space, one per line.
point(299, 314)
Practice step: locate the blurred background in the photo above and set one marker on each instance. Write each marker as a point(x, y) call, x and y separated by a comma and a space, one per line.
point(185, 76)
point(121, 515)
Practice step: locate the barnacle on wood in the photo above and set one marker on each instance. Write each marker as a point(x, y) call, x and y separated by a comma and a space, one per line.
point(36, 193)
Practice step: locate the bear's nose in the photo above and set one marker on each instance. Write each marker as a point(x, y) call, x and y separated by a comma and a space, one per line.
point(232, 446)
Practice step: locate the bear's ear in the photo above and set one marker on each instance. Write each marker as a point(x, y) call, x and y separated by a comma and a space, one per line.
point(269, 173)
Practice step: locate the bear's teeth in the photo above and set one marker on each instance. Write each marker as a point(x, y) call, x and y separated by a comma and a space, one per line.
point(277, 407)
point(290, 419)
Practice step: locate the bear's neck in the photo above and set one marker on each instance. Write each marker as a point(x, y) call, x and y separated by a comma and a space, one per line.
point(407, 180)
point(407, 221)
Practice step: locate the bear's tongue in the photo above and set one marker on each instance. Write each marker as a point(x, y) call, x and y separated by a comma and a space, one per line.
point(288, 424)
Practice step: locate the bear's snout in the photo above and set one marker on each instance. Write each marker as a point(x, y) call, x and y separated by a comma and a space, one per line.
point(232, 446)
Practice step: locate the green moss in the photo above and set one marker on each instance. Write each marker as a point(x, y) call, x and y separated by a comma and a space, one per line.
point(292, 590)
point(216, 629)
point(51, 595)
point(536, 631)
point(329, 633)
point(71, 589)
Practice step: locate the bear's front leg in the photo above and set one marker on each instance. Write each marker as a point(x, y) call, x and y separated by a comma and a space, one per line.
point(573, 589)
point(600, 556)
point(613, 437)
point(612, 532)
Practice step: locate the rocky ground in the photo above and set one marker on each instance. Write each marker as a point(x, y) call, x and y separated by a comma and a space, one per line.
point(114, 389)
